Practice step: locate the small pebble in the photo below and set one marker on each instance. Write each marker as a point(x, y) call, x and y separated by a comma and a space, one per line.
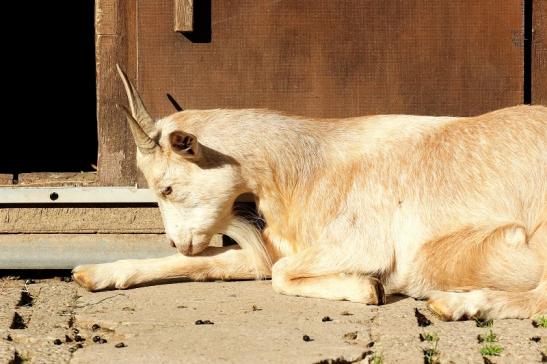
point(326, 319)
point(120, 345)
point(79, 346)
point(96, 338)
point(535, 339)
point(8, 338)
point(370, 344)
point(204, 322)
point(95, 327)
point(68, 339)
point(78, 338)
point(103, 341)
point(350, 335)
point(306, 338)
point(57, 342)
point(75, 330)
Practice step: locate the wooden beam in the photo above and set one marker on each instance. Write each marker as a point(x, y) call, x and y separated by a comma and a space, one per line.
point(78, 219)
point(57, 179)
point(116, 160)
point(6, 179)
point(184, 15)
point(539, 52)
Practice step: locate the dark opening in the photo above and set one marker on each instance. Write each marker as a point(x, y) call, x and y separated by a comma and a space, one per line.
point(201, 23)
point(50, 121)
point(528, 34)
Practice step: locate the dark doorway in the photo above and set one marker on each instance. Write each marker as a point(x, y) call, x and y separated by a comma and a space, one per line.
point(51, 107)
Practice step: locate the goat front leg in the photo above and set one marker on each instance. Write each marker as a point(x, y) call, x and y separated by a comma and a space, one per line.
point(325, 272)
point(214, 263)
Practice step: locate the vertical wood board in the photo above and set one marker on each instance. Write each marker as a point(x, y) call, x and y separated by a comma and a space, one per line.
point(116, 159)
point(539, 52)
point(184, 15)
point(337, 59)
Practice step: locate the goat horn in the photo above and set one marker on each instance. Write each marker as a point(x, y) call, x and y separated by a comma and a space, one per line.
point(174, 102)
point(138, 110)
point(145, 144)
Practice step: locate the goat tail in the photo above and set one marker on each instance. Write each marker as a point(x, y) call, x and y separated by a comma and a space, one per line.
point(249, 238)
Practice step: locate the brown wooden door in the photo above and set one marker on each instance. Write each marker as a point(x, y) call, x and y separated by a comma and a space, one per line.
point(312, 57)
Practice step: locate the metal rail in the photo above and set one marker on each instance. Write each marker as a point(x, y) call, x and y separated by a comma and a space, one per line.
point(59, 195)
point(65, 251)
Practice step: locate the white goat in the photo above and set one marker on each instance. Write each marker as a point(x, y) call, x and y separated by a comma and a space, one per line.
point(444, 208)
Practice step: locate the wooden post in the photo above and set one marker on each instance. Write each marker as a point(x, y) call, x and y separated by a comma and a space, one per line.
point(539, 52)
point(116, 159)
point(184, 19)
point(6, 179)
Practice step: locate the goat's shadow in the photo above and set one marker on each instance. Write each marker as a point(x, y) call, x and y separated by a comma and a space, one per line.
point(389, 299)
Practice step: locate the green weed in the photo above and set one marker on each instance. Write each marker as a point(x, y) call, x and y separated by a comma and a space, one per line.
point(489, 338)
point(491, 350)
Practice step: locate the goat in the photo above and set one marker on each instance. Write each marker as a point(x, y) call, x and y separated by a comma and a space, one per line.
point(449, 209)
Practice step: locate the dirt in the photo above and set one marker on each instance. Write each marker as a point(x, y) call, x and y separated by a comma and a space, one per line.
point(251, 324)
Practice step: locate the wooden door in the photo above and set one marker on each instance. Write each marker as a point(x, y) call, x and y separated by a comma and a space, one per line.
point(313, 57)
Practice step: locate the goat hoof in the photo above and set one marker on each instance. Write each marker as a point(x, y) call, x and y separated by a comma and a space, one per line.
point(380, 298)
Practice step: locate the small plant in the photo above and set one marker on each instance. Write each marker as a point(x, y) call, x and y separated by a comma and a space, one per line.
point(491, 350)
point(432, 355)
point(484, 323)
point(541, 321)
point(429, 336)
point(489, 338)
point(376, 359)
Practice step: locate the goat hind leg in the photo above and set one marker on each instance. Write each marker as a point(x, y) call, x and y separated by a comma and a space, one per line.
point(493, 272)
point(316, 272)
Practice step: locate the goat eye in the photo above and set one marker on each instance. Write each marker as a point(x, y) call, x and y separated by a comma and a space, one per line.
point(166, 191)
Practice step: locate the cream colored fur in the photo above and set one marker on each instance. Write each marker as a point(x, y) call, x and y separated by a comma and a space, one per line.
point(444, 208)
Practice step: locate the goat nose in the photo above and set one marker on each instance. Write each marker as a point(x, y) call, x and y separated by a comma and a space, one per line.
point(172, 243)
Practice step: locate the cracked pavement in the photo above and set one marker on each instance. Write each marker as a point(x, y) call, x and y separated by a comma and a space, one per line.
point(249, 323)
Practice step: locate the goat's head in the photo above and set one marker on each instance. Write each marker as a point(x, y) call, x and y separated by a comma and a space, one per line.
point(196, 186)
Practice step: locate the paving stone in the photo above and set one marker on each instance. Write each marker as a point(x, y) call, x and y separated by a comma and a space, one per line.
point(251, 323)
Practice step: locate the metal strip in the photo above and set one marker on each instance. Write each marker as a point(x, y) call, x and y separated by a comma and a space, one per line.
point(59, 195)
point(65, 251)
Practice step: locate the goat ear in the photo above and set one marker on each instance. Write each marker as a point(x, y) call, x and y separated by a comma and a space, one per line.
point(185, 144)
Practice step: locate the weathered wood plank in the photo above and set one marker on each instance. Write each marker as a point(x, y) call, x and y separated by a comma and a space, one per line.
point(184, 21)
point(57, 179)
point(539, 52)
point(69, 219)
point(6, 179)
point(116, 158)
point(332, 59)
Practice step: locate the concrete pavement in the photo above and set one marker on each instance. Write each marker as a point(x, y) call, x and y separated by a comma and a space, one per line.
point(249, 323)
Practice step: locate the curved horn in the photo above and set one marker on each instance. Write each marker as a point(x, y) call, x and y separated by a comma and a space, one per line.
point(145, 144)
point(137, 106)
